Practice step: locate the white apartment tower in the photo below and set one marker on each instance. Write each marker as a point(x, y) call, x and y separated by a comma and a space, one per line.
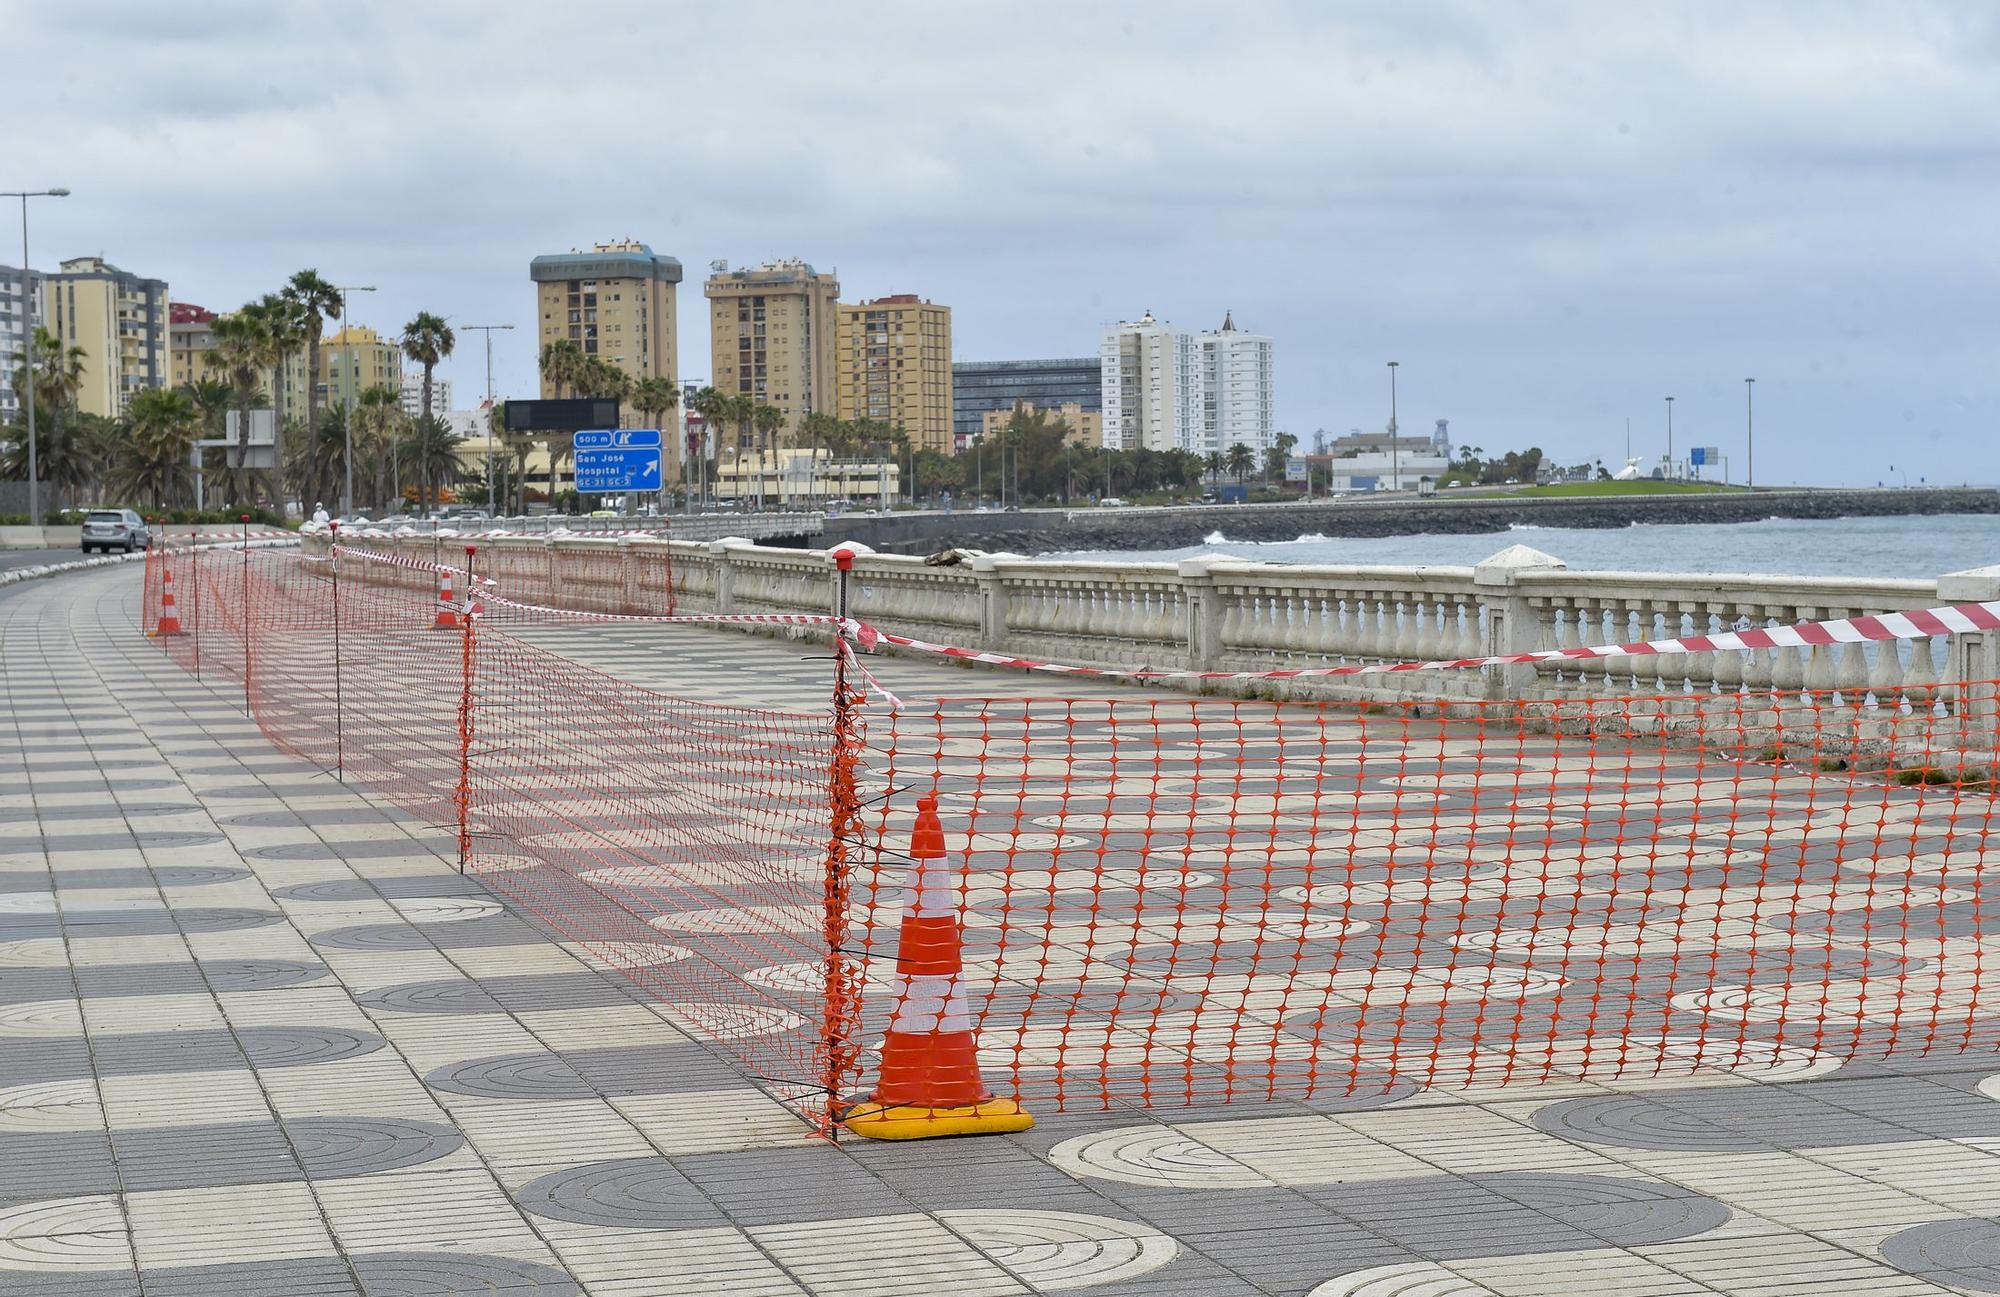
point(1167, 389)
point(1236, 391)
point(1151, 396)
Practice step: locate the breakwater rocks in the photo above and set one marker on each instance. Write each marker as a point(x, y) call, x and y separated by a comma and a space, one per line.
point(1042, 531)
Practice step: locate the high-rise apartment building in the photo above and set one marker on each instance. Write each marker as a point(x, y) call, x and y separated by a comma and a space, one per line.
point(615, 302)
point(355, 359)
point(1165, 388)
point(413, 394)
point(1235, 391)
point(191, 334)
point(1151, 385)
point(119, 320)
point(773, 336)
point(895, 367)
point(981, 386)
point(20, 312)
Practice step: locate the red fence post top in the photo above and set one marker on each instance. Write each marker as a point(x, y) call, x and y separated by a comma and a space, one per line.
point(243, 518)
point(843, 558)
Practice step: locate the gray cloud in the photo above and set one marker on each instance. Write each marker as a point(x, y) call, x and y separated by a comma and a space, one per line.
point(1552, 214)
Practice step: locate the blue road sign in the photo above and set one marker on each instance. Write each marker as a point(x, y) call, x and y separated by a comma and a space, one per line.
point(617, 438)
point(599, 472)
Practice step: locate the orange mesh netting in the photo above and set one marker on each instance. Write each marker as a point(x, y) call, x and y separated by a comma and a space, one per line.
point(1155, 899)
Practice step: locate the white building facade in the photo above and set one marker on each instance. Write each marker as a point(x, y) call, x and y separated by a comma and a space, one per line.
point(1235, 391)
point(20, 312)
point(1151, 385)
point(413, 395)
point(1165, 388)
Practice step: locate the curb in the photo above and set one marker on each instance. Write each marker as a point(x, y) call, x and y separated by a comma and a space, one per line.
point(39, 570)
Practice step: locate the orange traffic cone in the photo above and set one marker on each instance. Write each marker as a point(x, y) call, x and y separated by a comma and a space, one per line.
point(170, 618)
point(447, 615)
point(929, 1085)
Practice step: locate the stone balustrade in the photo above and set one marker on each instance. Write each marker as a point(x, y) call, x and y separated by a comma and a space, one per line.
point(1222, 614)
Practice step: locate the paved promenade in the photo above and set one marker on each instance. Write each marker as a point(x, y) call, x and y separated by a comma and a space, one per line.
point(258, 1037)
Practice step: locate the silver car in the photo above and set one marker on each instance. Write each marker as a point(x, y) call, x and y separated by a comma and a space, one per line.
point(109, 529)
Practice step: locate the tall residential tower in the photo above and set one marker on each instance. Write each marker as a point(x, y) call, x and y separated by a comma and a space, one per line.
point(120, 322)
point(895, 367)
point(615, 302)
point(773, 336)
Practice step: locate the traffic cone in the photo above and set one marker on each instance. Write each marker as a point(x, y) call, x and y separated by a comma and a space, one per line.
point(170, 618)
point(447, 615)
point(929, 1084)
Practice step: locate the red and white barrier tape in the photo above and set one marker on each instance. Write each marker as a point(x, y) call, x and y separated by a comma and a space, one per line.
point(1924, 623)
point(1920, 624)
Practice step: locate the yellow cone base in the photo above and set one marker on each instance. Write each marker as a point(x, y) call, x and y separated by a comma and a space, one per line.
point(993, 1117)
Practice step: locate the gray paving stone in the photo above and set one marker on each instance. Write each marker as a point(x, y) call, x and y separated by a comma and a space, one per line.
point(635, 1193)
point(1964, 1253)
point(586, 1073)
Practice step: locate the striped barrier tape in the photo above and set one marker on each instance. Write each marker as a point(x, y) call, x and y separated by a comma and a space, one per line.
point(1920, 624)
point(1924, 623)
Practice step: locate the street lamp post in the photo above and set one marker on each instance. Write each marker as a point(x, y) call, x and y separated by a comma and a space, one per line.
point(492, 495)
point(28, 350)
point(347, 405)
point(1670, 438)
point(1395, 446)
point(1750, 429)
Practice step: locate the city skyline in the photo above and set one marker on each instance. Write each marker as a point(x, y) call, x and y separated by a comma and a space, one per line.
point(1551, 226)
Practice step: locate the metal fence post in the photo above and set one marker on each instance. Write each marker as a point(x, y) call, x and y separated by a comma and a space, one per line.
point(464, 794)
point(842, 984)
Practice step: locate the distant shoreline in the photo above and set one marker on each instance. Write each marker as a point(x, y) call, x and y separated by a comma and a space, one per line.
point(1050, 530)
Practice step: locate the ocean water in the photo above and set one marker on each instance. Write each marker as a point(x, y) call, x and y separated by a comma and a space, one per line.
point(1858, 547)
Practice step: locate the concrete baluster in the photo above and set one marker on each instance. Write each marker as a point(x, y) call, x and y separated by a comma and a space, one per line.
point(993, 592)
point(1513, 625)
point(1974, 665)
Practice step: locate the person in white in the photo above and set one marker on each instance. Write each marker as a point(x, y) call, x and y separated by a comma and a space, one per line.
point(320, 518)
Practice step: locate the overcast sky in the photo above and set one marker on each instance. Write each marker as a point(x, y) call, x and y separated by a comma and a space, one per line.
point(1553, 216)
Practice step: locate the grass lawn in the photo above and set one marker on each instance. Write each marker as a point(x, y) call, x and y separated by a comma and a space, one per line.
point(1602, 488)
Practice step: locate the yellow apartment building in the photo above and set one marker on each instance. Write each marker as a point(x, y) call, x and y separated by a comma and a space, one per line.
point(119, 320)
point(773, 335)
point(355, 359)
point(895, 366)
point(615, 302)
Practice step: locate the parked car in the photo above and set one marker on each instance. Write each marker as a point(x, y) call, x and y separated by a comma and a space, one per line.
point(109, 529)
point(1111, 502)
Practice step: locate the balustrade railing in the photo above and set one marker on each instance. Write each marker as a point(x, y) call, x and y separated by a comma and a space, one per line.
point(1219, 614)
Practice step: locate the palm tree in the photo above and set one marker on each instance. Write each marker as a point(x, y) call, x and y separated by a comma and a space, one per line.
point(518, 444)
point(284, 319)
point(1241, 461)
point(562, 365)
point(432, 450)
point(317, 301)
point(713, 407)
point(427, 340)
point(378, 425)
point(154, 460)
point(58, 376)
point(242, 349)
point(1215, 464)
point(770, 421)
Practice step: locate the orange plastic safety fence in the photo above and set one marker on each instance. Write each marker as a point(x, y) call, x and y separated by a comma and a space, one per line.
point(682, 843)
point(1154, 900)
point(1174, 902)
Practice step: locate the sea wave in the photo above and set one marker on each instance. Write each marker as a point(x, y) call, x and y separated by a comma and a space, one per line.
point(1310, 538)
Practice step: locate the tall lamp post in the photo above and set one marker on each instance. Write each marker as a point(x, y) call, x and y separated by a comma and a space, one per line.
point(492, 495)
point(347, 404)
point(1750, 428)
point(28, 349)
point(1395, 444)
point(1670, 438)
